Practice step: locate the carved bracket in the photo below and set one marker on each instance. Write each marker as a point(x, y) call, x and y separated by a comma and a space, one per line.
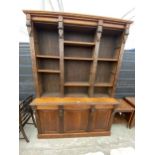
point(60, 26)
point(28, 24)
point(126, 33)
point(99, 33)
point(61, 33)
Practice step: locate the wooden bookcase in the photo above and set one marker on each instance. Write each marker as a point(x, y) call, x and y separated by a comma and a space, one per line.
point(75, 55)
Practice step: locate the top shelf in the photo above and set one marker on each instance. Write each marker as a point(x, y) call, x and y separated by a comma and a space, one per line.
point(47, 56)
point(78, 43)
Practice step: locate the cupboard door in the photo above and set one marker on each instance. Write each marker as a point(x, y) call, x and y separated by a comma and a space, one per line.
point(49, 121)
point(101, 119)
point(75, 119)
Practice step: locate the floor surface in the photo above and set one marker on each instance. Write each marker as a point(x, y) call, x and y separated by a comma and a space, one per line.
point(121, 137)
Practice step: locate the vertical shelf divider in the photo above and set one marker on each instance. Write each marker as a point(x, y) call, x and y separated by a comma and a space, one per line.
point(95, 57)
point(30, 29)
point(119, 52)
point(61, 52)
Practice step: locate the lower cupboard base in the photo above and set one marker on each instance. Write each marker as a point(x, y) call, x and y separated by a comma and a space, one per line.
point(69, 135)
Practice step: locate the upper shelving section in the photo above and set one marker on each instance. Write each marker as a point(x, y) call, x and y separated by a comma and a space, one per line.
point(75, 54)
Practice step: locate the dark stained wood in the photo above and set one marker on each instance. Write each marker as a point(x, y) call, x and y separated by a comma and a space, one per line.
point(36, 112)
point(61, 52)
point(91, 118)
point(95, 57)
point(61, 118)
point(73, 115)
point(120, 57)
point(30, 28)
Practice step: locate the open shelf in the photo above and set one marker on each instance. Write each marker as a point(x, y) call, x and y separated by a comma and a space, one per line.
point(76, 91)
point(46, 39)
point(76, 71)
point(101, 92)
point(77, 84)
point(81, 34)
point(78, 43)
point(108, 43)
point(49, 84)
point(103, 84)
point(48, 71)
point(78, 52)
point(78, 58)
point(104, 73)
point(47, 56)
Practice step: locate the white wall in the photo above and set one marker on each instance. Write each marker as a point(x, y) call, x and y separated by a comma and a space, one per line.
point(110, 8)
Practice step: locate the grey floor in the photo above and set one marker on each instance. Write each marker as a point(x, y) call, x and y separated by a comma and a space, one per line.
point(121, 137)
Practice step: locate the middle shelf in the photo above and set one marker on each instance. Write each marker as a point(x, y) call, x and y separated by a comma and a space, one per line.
point(77, 84)
point(48, 71)
point(78, 43)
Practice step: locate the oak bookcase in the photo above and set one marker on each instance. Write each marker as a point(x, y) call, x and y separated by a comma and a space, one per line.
point(75, 55)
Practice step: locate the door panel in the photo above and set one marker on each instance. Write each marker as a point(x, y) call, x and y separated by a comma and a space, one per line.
point(75, 120)
point(101, 119)
point(48, 121)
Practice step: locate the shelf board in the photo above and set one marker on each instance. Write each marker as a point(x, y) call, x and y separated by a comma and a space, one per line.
point(48, 71)
point(78, 58)
point(103, 84)
point(47, 56)
point(77, 84)
point(107, 59)
point(79, 43)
